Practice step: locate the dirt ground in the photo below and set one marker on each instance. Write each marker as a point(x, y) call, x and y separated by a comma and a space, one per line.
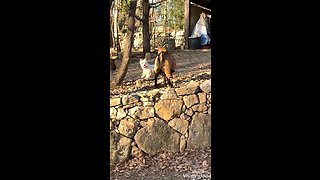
point(191, 64)
point(190, 165)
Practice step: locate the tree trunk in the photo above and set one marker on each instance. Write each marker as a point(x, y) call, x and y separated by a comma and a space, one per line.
point(145, 29)
point(186, 23)
point(118, 78)
point(111, 25)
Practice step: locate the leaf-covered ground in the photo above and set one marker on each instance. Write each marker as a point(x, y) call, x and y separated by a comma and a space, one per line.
point(192, 164)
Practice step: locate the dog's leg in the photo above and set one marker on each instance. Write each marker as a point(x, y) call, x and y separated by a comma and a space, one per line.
point(148, 76)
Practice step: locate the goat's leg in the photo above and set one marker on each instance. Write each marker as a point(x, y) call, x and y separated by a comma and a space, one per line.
point(155, 79)
point(170, 83)
point(165, 81)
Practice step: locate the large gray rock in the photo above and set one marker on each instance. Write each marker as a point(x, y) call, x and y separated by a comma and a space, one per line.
point(168, 108)
point(190, 100)
point(120, 148)
point(128, 127)
point(157, 138)
point(200, 131)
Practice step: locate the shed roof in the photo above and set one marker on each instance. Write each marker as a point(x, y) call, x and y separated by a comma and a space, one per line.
point(204, 3)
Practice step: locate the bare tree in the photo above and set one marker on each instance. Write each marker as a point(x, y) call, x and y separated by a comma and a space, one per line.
point(118, 78)
point(145, 21)
point(145, 29)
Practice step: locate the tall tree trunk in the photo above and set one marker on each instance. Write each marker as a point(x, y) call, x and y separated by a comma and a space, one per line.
point(116, 26)
point(111, 25)
point(118, 78)
point(145, 29)
point(186, 23)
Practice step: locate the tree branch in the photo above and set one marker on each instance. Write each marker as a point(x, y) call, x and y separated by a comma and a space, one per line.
point(155, 6)
point(137, 17)
point(157, 3)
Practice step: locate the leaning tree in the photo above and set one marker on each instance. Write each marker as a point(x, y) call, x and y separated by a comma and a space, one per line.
point(118, 78)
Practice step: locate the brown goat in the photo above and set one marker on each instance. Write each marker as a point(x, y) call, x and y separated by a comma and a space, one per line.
point(164, 65)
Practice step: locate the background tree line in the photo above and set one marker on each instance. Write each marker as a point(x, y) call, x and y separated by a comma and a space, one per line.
point(151, 18)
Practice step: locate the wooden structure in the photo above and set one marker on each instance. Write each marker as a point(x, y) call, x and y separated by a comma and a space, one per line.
point(192, 12)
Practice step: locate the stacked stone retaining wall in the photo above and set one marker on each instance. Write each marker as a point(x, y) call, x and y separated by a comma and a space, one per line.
point(161, 120)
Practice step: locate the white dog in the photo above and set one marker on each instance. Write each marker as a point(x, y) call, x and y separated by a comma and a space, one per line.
point(147, 69)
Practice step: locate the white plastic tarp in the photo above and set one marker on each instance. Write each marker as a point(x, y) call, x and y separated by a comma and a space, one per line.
point(201, 30)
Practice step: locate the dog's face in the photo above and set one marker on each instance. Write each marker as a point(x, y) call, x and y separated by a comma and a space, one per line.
point(144, 63)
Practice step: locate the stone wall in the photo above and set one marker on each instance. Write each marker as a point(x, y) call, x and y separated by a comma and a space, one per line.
point(161, 120)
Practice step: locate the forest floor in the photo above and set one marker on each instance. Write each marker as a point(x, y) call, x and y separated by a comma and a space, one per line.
point(190, 165)
point(191, 65)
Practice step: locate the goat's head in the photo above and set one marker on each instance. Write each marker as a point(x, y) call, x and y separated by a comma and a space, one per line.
point(161, 50)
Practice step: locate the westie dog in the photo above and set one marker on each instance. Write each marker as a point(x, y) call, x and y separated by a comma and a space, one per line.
point(147, 69)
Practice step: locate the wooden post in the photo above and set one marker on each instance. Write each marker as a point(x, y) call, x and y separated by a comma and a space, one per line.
point(186, 22)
